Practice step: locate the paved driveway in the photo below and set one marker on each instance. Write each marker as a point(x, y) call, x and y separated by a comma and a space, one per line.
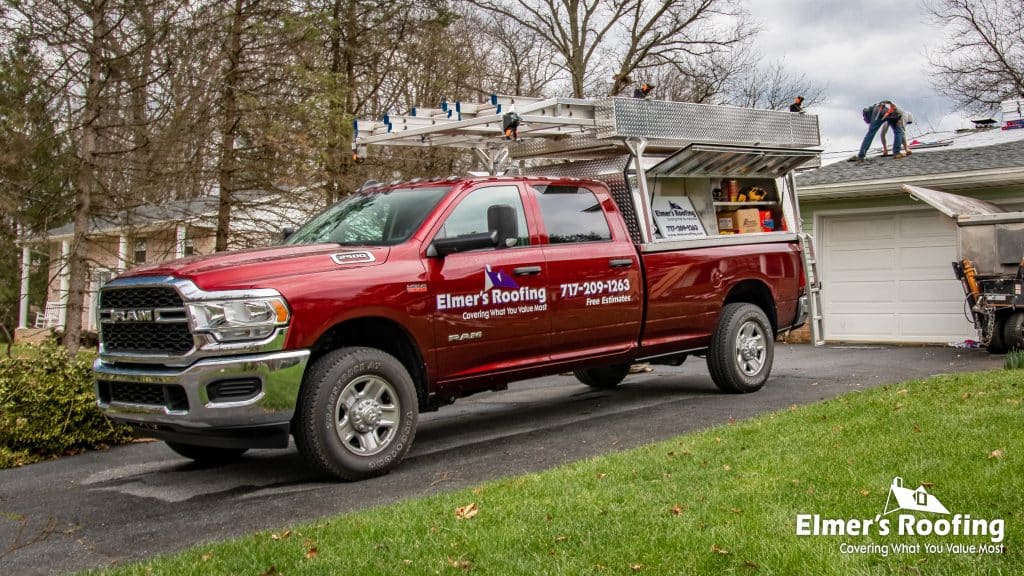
point(137, 501)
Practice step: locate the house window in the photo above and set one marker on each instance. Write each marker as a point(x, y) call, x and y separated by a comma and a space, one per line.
point(140, 252)
point(190, 247)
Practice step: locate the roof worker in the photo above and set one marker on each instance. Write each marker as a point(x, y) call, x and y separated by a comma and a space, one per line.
point(885, 112)
point(643, 90)
point(797, 105)
point(906, 118)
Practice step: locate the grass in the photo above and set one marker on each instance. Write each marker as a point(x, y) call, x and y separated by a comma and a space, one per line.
point(722, 501)
point(1014, 360)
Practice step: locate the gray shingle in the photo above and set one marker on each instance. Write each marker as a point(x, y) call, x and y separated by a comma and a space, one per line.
point(930, 163)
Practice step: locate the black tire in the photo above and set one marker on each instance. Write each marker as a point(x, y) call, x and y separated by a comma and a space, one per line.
point(996, 343)
point(357, 413)
point(1013, 332)
point(602, 377)
point(207, 455)
point(742, 349)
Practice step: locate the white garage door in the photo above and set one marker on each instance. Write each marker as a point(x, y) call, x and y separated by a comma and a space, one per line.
point(887, 277)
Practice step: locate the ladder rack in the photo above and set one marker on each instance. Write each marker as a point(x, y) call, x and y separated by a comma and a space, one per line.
point(583, 128)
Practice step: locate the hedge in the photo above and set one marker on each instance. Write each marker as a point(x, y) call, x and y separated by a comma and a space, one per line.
point(48, 408)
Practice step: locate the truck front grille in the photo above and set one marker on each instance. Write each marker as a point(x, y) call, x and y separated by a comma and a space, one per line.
point(144, 320)
point(168, 396)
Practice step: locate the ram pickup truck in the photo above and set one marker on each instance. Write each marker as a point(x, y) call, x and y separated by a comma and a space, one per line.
point(404, 297)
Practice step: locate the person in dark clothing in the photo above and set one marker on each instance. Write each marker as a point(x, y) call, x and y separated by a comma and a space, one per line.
point(885, 112)
point(797, 105)
point(643, 90)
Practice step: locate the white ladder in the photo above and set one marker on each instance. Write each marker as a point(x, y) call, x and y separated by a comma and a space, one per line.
point(813, 288)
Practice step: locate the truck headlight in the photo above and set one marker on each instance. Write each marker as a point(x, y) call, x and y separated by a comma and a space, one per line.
point(237, 320)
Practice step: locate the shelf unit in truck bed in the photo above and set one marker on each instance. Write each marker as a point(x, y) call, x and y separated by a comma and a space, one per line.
point(684, 175)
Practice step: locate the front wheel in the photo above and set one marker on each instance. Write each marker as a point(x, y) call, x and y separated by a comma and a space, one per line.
point(742, 349)
point(207, 455)
point(357, 413)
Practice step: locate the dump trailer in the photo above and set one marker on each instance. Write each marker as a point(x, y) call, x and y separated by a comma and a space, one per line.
point(989, 265)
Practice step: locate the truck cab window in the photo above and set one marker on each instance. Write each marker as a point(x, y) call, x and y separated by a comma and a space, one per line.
point(470, 216)
point(572, 214)
point(372, 219)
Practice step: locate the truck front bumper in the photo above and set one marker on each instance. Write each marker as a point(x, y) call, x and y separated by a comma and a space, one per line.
point(230, 401)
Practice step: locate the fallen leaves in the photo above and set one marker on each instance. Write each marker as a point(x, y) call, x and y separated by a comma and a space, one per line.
point(311, 552)
point(282, 536)
point(272, 571)
point(466, 512)
point(207, 557)
point(719, 550)
point(636, 567)
point(995, 454)
point(460, 564)
point(677, 510)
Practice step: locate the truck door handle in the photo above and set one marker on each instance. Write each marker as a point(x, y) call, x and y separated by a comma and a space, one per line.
point(620, 262)
point(526, 271)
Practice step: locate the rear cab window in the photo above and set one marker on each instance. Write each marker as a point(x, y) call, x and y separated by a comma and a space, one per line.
point(571, 214)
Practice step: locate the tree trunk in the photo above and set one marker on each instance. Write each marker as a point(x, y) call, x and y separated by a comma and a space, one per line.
point(229, 127)
point(85, 184)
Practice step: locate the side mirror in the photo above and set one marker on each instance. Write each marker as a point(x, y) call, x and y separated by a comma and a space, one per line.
point(442, 247)
point(501, 219)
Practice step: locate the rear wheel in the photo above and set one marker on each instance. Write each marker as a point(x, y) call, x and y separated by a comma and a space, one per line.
point(357, 413)
point(207, 454)
point(603, 377)
point(742, 349)
point(1013, 332)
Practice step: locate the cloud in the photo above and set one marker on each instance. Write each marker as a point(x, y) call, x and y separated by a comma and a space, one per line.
point(863, 52)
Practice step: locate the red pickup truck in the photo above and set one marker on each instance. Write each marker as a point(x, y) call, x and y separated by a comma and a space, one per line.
point(405, 297)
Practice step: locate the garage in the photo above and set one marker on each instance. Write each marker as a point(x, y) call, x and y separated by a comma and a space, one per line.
point(886, 277)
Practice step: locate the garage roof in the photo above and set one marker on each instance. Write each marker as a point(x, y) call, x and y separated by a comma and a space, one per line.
point(948, 168)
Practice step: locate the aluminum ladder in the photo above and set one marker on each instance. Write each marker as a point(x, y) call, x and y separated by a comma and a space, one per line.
point(813, 288)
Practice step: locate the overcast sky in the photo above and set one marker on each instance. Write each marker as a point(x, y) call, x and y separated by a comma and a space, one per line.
point(860, 51)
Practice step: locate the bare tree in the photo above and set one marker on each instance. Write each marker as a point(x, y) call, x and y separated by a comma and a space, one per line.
point(597, 39)
point(982, 61)
point(769, 85)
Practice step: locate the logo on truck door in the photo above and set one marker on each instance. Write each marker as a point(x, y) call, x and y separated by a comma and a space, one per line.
point(501, 296)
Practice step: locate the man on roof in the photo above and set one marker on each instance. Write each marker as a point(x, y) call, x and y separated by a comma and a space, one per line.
point(885, 112)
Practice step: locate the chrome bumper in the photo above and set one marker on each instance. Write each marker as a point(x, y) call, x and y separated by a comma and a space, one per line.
point(279, 373)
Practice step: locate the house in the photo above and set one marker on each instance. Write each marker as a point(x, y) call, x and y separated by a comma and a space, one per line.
point(885, 259)
point(150, 234)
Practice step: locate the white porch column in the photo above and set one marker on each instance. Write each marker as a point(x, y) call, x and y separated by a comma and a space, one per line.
point(179, 241)
point(122, 253)
point(26, 270)
point(65, 280)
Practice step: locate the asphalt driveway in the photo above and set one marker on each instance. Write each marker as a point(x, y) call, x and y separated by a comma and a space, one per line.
point(136, 501)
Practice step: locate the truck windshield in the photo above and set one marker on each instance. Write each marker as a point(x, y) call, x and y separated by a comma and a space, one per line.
point(372, 219)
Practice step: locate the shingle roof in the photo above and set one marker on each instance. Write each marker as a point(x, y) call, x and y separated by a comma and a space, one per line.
point(174, 211)
point(930, 163)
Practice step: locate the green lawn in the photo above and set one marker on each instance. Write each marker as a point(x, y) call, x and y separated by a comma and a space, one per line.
point(723, 501)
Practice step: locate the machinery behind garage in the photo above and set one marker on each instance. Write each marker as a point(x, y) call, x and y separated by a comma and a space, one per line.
point(990, 264)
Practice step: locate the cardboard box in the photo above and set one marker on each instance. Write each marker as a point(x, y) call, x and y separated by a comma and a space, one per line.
point(743, 221)
point(747, 220)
